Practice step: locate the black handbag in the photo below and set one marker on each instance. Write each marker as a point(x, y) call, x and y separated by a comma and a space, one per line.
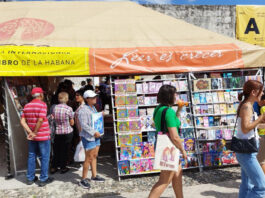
point(243, 145)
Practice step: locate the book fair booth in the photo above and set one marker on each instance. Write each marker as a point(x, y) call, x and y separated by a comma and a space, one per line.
point(140, 50)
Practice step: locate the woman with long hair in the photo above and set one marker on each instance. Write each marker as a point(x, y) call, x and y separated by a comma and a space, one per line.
point(166, 98)
point(252, 176)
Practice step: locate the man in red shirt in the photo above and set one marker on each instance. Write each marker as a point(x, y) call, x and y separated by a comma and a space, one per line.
point(35, 122)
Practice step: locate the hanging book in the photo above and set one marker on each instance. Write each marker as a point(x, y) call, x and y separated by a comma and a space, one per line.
point(204, 109)
point(135, 125)
point(136, 139)
point(202, 84)
point(205, 121)
point(148, 150)
point(223, 109)
point(135, 166)
point(119, 86)
point(189, 144)
point(197, 110)
point(124, 167)
point(121, 113)
point(142, 112)
point(130, 86)
point(131, 99)
point(166, 82)
point(215, 97)
point(120, 100)
point(207, 159)
point(124, 140)
point(216, 108)
point(209, 97)
point(217, 120)
point(217, 83)
point(136, 152)
point(223, 120)
point(125, 153)
point(122, 126)
point(211, 121)
point(218, 134)
point(132, 112)
point(203, 98)
point(196, 98)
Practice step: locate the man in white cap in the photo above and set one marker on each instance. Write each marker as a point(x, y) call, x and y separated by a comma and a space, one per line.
point(90, 139)
point(35, 122)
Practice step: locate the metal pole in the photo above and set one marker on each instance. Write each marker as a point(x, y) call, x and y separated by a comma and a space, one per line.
point(9, 175)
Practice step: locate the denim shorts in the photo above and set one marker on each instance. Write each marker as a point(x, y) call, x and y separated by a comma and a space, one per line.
point(89, 145)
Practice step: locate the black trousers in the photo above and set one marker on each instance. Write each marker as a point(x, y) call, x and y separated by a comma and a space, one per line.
point(61, 149)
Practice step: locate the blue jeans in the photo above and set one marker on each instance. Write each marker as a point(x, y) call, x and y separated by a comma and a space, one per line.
point(252, 176)
point(37, 148)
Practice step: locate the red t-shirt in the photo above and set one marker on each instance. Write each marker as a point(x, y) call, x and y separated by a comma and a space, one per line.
point(32, 112)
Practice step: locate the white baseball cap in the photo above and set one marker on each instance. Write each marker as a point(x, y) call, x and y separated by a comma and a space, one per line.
point(89, 94)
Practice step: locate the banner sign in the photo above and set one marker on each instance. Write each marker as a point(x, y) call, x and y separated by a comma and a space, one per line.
point(43, 61)
point(164, 59)
point(250, 22)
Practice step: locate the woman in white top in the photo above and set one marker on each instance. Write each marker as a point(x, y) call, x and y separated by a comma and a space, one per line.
point(252, 176)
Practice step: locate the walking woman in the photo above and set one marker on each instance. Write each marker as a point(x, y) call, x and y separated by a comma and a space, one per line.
point(252, 176)
point(166, 98)
point(90, 139)
point(64, 119)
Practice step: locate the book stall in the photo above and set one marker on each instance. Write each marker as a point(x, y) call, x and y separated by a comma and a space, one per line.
point(208, 69)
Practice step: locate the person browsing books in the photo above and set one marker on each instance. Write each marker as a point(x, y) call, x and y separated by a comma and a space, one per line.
point(252, 176)
point(261, 131)
point(166, 98)
point(90, 139)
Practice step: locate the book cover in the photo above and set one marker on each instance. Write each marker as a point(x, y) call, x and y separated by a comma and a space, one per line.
point(147, 100)
point(135, 166)
point(131, 99)
point(217, 83)
point(130, 86)
point(192, 160)
point(145, 166)
point(150, 111)
point(148, 150)
point(124, 140)
point(122, 126)
point(151, 164)
point(218, 134)
point(158, 86)
point(204, 147)
point(227, 134)
point(223, 121)
point(136, 151)
point(184, 97)
point(98, 122)
point(136, 139)
point(201, 120)
point(221, 97)
point(135, 125)
point(210, 109)
point(145, 88)
point(211, 135)
point(205, 121)
point(202, 134)
point(216, 159)
point(220, 145)
point(142, 112)
point(151, 136)
point(132, 112)
point(207, 159)
point(202, 84)
point(141, 100)
point(234, 96)
point(215, 75)
point(227, 96)
point(124, 167)
point(204, 109)
point(125, 153)
point(216, 108)
point(139, 88)
point(189, 144)
point(209, 97)
point(217, 120)
point(231, 108)
point(120, 100)
point(227, 82)
point(183, 85)
point(121, 113)
point(236, 82)
point(215, 97)
point(231, 120)
point(203, 98)
point(153, 100)
point(196, 98)
point(211, 121)
point(223, 109)
point(187, 133)
point(212, 147)
point(197, 110)
point(227, 158)
point(152, 87)
point(119, 86)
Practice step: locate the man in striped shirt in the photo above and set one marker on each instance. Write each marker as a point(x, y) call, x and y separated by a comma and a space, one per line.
point(35, 122)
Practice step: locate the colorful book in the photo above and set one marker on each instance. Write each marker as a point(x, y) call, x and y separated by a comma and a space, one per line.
point(142, 112)
point(211, 121)
point(231, 108)
point(151, 164)
point(145, 165)
point(151, 136)
point(136, 152)
point(126, 153)
point(221, 97)
point(204, 109)
point(122, 126)
point(135, 125)
point(216, 108)
point(209, 97)
point(223, 121)
point(205, 121)
point(139, 88)
point(120, 100)
point(217, 120)
point(141, 100)
point(216, 159)
point(202, 84)
point(192, 160)
point(183, 85)
point(217, 83)
point(135, 166)
point(119, 86)
point(136, 139)
point(132, 112)
point(175, 84)
point(147, 100)
point(184, 97)
point(223, 109)
point(215, 97)
point(210, 109)
point(98, 122)
point(227, 134)
point(197, 109)
point(227, 96)
point(218, 134)
point(234, 96)
point(148, 150)
point(124, 167)
point(202, 134)
point(189, 144)
point(153, 100)
point(196, 98)
point(130, 86)
point(207, 159)
point(121, 113)
point(203, 98)
point(124, 140)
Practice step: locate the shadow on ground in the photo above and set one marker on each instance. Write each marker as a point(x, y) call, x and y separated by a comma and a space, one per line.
point(102, 195)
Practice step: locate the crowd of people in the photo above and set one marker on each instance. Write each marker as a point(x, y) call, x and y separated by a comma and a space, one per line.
point(54, 133)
